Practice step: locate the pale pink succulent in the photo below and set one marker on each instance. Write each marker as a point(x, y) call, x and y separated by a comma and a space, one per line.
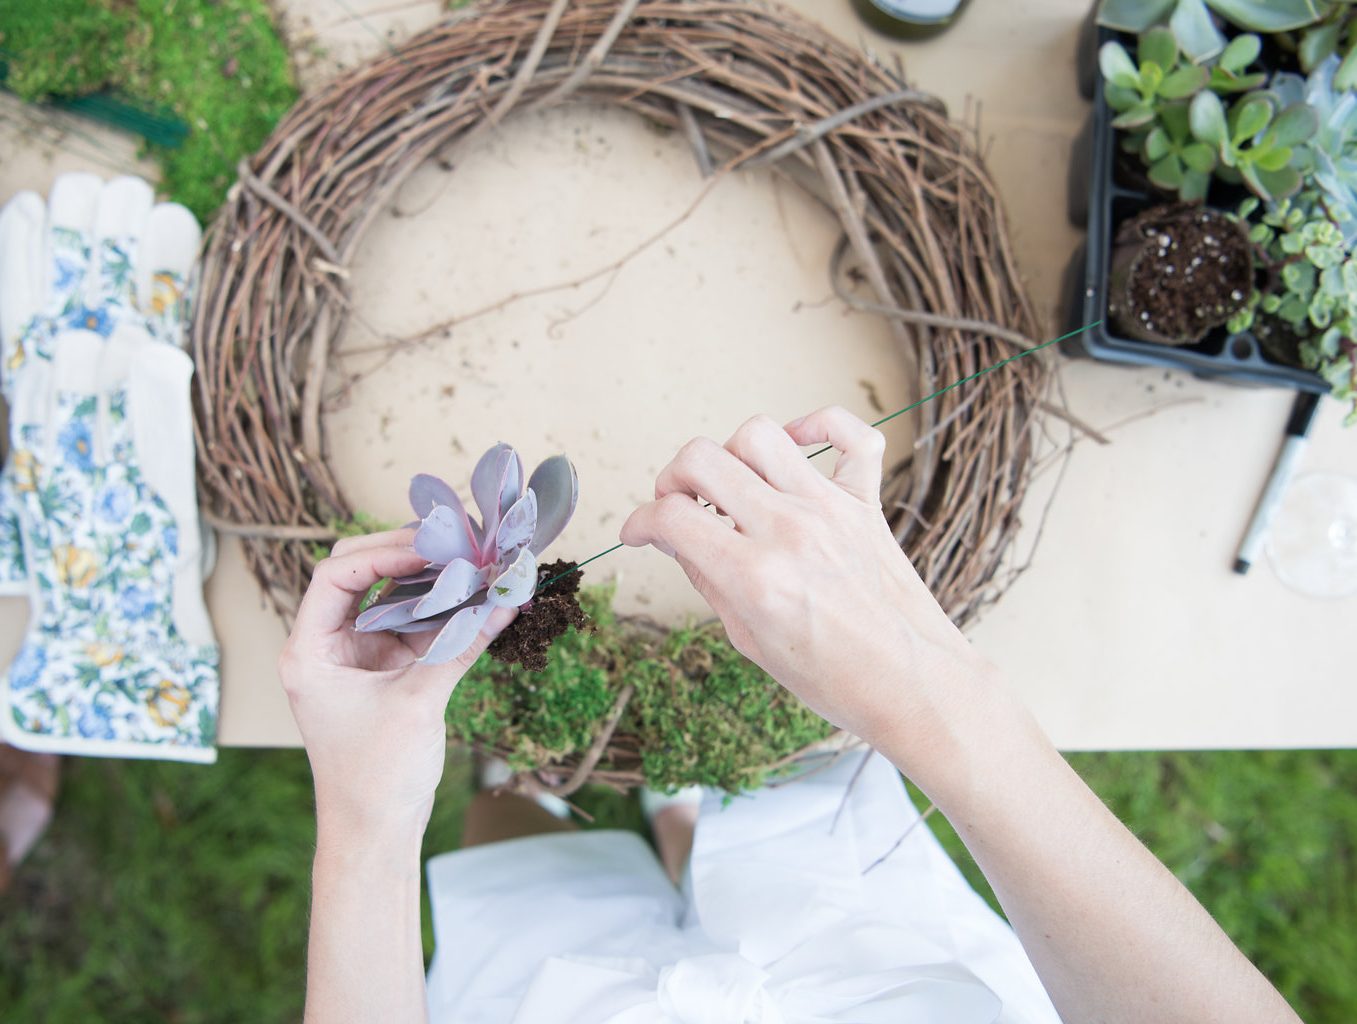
point(476, 566)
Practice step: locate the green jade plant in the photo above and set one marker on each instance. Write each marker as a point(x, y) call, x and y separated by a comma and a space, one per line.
point(1150, 96)
point(1311, 289)
point(1258, 141)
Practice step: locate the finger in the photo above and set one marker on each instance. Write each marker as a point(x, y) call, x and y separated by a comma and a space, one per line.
point(70, 218)
point(21, 273)
point(119, 219)
point(767, 449)
point(497, 622)
point(169, 247)
point(339, 582)
point(676, 525)
point(703, 469)
point(858, 470)
point(443, 678)
point(401, 538)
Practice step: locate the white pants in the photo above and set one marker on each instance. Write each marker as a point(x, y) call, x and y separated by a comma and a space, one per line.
point(787, 915)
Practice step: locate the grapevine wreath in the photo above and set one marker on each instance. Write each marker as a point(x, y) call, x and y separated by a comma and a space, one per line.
point(749, 85)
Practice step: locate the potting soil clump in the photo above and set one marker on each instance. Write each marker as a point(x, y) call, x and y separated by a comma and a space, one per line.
point(528, 638)
point(1178, 271)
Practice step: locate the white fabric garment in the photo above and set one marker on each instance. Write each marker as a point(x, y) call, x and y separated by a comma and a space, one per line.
point(782, 919)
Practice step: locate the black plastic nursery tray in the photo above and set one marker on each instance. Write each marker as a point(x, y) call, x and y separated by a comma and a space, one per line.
point(1102, 196)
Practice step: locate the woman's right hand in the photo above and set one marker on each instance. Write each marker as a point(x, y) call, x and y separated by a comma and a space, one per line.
point(810, 583)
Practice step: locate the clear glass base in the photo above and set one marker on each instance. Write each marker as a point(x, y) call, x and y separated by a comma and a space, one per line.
point(1312, 541)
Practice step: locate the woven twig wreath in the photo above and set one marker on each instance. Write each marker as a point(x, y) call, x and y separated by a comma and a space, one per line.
point(749, 85)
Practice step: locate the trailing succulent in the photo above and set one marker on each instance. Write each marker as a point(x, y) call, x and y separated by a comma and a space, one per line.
point(474, 566)
point(1299, 243)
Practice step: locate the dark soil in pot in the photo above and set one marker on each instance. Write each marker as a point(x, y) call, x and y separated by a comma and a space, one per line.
point(1177, 271)
point(1277, 340)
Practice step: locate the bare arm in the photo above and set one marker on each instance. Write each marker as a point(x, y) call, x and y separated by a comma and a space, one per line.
point(365, 960)
point(371, 717)
point(810, 573)
point(1112, 933)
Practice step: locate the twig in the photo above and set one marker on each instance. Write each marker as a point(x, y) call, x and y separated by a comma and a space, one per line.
point(905, 835)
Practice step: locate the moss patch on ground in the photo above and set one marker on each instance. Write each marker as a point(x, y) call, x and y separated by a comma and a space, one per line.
point(218, 65)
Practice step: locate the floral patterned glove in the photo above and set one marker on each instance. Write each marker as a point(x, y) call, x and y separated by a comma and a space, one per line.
point(119, 658)
point(97, 255)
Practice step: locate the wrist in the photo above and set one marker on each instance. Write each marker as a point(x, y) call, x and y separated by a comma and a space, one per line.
point(358, 832)
point(955, 730)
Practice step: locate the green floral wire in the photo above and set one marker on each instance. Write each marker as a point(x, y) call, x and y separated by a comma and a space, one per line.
point(900, 412)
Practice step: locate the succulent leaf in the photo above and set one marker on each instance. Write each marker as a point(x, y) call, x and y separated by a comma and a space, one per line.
point(427, 491)
point(1196, 33)
point(1242, 51)
point(1207, 115)
point(1132, 15)
point(1117, 66)
point(1184, 82)
point(1157, 46)
point(444, 535)
point(1295, 124)
point(556, 486)
point(427, 575)
point(457, 635)
point(458, 581)
point(517, 526)
point(386, 615)
point(423, 625)
point(516, 584)
point(1269, 15)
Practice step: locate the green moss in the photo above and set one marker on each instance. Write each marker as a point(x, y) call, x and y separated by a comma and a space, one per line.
point(218, 65)
point(359, 526)
point(703, 713)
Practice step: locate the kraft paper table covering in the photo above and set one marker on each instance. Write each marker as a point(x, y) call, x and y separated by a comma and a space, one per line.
point(1127, 631)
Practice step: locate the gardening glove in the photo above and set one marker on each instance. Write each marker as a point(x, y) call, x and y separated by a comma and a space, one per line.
point(119, 658)
point(96, 255)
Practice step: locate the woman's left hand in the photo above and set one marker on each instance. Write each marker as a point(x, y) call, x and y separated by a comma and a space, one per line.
point(370, 714)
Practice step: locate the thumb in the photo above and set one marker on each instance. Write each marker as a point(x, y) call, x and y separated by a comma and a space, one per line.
point(441, 679)
point(494, 625)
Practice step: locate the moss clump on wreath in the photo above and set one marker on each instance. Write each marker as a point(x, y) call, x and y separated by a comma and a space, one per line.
point(701, 713)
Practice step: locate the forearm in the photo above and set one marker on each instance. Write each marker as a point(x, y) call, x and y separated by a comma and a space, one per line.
point(365, 960)
point(1113, 935)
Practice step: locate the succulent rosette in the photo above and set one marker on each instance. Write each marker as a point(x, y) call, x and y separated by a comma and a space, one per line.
point(475, 566)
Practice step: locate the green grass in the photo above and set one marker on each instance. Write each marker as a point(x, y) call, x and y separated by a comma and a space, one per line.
point(1266, 840)
point(217, 65)
point(177, 892)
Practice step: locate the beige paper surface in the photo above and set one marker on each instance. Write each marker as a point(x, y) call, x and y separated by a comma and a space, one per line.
point(1127, 629)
